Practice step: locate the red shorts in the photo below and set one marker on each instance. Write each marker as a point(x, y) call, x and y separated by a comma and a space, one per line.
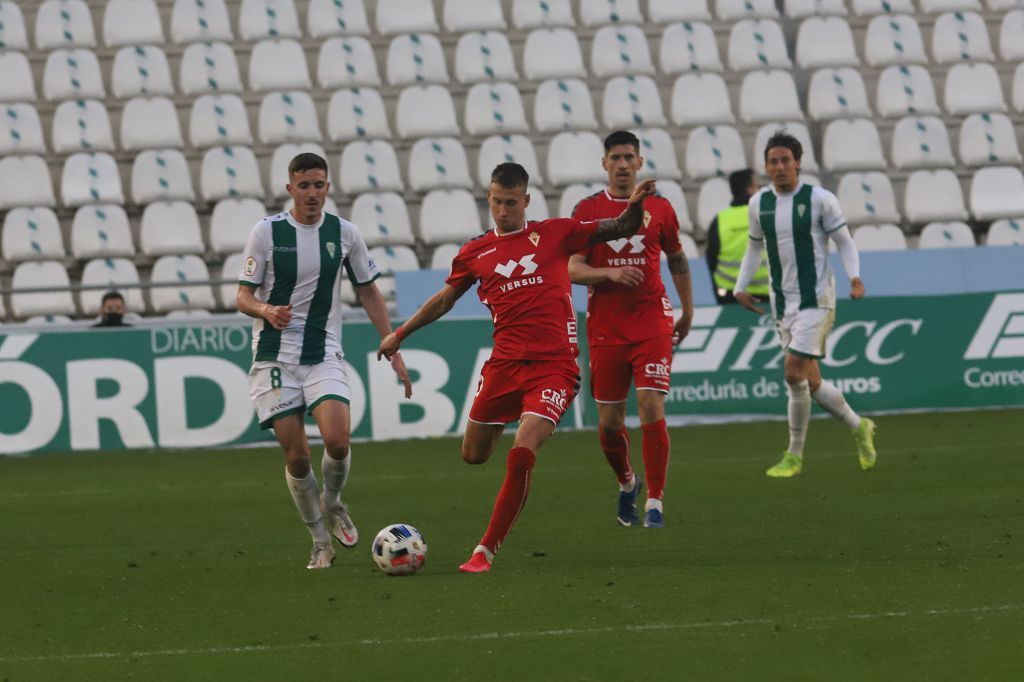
point(509, 389)
point(647, 362)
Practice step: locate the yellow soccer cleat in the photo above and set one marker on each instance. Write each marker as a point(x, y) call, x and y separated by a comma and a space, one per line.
point(864, 436)
point(789, 466)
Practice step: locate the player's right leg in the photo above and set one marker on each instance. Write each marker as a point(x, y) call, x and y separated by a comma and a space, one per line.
point(610, 376)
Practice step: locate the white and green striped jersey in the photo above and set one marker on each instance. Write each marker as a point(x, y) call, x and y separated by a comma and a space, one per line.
point(795, 229)
point(291, 263)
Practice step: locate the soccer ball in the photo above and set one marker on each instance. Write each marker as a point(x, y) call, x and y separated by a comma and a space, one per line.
point(399, 549)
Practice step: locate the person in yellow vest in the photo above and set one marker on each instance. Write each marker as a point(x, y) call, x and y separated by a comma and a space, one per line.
point(727, 240)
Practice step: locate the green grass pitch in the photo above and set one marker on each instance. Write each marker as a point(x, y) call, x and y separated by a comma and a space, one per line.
point(191, 565)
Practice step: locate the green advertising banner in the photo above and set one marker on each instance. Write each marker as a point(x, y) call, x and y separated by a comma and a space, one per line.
point(187, 386)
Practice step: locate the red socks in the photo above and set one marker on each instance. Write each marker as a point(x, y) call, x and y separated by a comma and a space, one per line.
point(511, 497)
point(656, 449)
point(616, 450)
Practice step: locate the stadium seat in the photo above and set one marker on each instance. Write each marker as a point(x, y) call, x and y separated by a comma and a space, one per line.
point(905, 90)
point(406, 16)
point(282, 157)
point(867, 198)
point(161, 175)
point(442, 256)
point(392, 259)
point(563, 105)
point(195, 22)
point(801, 9)
point(921, 142)
point(973, 88)
point(90, 178)
point(101, 230)
point(997, 192)
point(530, 14)
point(713, 196)
point(81, 125)
point(259, 19)
point(148, 122)
point(448, 215)
point(25, 181)
point(64, 23)
point(426, 111)
point(823, 42)
point(218, 120)
point(331, 18)
point(714, 150)
point(278, 65)
point(188, 314)
point(701, 99)
point(575, 157)
point(415, 59)
point(936, 6)
point(987, 139)
point(933, 195)
point(494, 108)
point(852, 144)
point(620, 51)
point(170, 227)
point(960, 36)
point(537, 210)
point(501, 148)
point(665, 11)
point(1006, 232)
point(230, 269)
point(357, 113)
point(229, 171)
point(369, 166)
point(118, 274)
point(946, 235)
point(16, 83)
point(13, 35)
point(44, 319)
point(208, 67)
point(1011, 36)
point(729, 10)
point(484, 56)
point(21, 132)
point(382, 219)
point(31, 233)
point(885, 237)
point(140, 70)
point(47, 273)
point(575, 193)
point(71, 74)
point(182, 295)
point(288, 117)
point(688, 46)
point(809, 162)
point(473, 15)
point(757, 44)
point(769, 96)
point(894, 39)
point(132, 22)
point(671, 190)
point(347, 62)
point(438, 163)
point(863, 8)
point(601, 12)
point(1018, 88)
point(231, 222)
point(658, 150)
point(632, 101)
point(552, 53)
point(837, 93)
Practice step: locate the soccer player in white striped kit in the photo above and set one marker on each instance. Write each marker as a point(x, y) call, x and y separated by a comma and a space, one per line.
point(289, 283)
point(794, 221)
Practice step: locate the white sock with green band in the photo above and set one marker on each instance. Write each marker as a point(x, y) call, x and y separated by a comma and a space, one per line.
point(335, 473)
point(306, 494)
point(799, 412)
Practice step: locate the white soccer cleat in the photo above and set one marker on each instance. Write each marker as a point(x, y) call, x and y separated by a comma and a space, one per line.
point(339, 522)
point(322, 556)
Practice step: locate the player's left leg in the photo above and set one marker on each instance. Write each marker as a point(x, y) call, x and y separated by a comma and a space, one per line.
point(333, 419)
point(610, 376)
point(656, 452)
point(831, 400)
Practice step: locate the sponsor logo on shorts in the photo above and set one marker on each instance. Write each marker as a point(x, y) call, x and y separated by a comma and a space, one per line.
point(658, 370)
point(557, 400)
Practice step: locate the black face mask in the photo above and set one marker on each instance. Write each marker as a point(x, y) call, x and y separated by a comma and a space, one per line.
point(112, 319)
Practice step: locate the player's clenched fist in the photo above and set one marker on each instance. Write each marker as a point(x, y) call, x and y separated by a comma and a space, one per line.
point(643, 189)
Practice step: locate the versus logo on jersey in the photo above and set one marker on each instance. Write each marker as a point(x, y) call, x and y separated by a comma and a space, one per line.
point(508, 268)
point(250, 266)
point(636, 243)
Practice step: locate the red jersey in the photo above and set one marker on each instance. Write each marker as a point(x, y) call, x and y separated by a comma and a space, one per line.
point(618, 314)
point(524, 282)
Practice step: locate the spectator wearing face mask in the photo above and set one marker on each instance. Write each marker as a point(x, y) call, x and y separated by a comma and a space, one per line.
point(112, 311)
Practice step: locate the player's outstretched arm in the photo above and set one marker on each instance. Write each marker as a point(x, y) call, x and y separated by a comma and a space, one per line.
point(581, 273)
point(630, 220)
point(377, 310)
point(277, 315)
point(433, 309)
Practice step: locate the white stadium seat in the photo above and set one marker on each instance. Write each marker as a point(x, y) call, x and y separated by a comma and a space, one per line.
point(576, 192)
point(288, 117)
point(45, 319)
point(987, 139)
point(921, 142)
point(181, 271)
point(863, 8)
point(936, 6)
point(484, 56)
point(259, 19)
point(148, 122)
point(140, 70)
point(101, 230)
point(997, 192)
point(449, 215)
point(132, 22)
point(13, 35)
point(494, 108)
point(473, 15)
point(357, 113)
point(800, 9)
point(501, 148)
point(552, 53)
point(671, 190)
point(170, 227)
point(867, 198)
point(229, 269)
point(1006, 232)
point(32, 274)
point(81, 125)
point(894, 39)
point(664, 11)
point(658, 150)
point(973, 88)
point(574, 157)
point(21, 131)
point(72, 74)
point(808, 162)
point(229, 171)
point(933, 195)
point(392, 259)
point(769, 96)
point(218, 120)
point(278, 65)
point(620, 51)
point(757, 44)
point(406, 16)
point(416, 58)
point(701, 99)
point(25, 181)
point(852, 144)
point(837, 93)
point(332, 17)
point(688, 46)
point(529, 14)
point(369, 166)
point(442, 256)
point(946, 235)
point(16, 82)
point(884, 237)
point(209, 67)
point(118, 274)
point(689, 245)
point(905, 90)
point(31, 233)
point(425, 111)
point(382, 219)
point(346, 62)
point(729, 10)
point(206, 21)
point(713, 195)
point(161, 175)
point(1011, 36)
point(563, 105)
point(1018, 88)
point(714, 150)
point(64, 23)
point(600, 12)
point(90, 178)
point(438, 163)
point(231, 222)
point(825, 41)
point(632, 101)
point(960, 36)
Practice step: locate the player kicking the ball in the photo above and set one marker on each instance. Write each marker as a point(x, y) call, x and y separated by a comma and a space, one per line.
point(532, 374)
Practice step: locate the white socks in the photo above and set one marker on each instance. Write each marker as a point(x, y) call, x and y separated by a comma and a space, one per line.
point(832, 401)
point(799, 412)
point(631, 486)
point(335, 473)
point(306, 494)
point(654, 503)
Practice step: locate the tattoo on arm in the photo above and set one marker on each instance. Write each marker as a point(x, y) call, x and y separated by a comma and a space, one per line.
point(625, 225)
point(678, 264)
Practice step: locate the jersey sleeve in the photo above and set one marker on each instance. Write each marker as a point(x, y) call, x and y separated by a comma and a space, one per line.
point(580, 212)
point(831, 214)
point(578, 233)
point(359, 266)
point(461, 278)
point(670, 243)
point(754, 215)
point(255, 256)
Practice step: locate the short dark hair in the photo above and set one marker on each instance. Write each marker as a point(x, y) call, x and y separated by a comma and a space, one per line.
point(111, 296)
point(307, 161)
point(621, 137)
point(783, 139)
point(510, 175)
point(739, 182)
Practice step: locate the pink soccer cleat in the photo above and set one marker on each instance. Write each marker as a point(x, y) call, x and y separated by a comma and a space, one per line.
point(478, 563)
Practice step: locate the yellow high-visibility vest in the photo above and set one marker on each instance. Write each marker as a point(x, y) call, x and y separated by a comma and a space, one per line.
point(733, 225)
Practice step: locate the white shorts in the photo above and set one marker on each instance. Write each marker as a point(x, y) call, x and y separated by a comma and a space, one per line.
point(805, 331)
point(282, 388)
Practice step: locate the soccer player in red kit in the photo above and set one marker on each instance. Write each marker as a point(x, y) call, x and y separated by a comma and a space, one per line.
point(532, 374)
point(630, 329)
